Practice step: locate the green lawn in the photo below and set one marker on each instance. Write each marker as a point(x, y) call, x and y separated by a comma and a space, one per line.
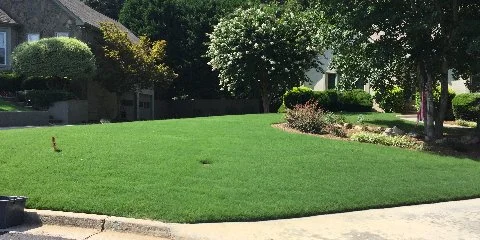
point(153, 170)
point(6, 106)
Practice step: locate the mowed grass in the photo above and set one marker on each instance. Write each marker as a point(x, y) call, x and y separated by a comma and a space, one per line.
point(156, 170)
point(6, 106)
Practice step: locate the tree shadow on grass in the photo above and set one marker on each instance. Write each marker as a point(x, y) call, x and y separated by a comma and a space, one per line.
point(404, 125)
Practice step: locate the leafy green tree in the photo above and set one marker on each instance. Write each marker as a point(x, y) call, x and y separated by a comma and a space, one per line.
point(56, 57)
point(184, 24)
point(110, 8)
point(264, 50)
point(132, 66)
point(378, 40)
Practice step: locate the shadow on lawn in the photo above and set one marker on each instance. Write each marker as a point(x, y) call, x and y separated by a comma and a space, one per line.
point(404, 125)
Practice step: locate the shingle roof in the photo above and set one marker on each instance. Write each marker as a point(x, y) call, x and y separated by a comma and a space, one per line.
point(4, 18)
point(92, 17)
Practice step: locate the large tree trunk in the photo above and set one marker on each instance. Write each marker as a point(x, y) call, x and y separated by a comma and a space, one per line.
point(265, 92)
point(430, 114)
point(266, 103)
point(443, 100)
point(426, 86)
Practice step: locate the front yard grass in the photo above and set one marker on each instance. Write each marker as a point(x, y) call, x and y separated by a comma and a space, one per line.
point(6, 106)
point(231, 168)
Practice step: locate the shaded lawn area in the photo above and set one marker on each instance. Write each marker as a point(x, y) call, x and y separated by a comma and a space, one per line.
point(382, 120)
point(389, 120)
point(6, 106)
point(153, 170)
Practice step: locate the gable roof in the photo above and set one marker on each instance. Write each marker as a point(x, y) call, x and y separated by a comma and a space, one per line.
point(4, 18)
point(89, 16)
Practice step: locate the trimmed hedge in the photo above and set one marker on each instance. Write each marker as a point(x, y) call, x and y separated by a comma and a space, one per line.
point(42, 99)
point(10, 82)
point(467, 106)
point(297, 96)
point(45, 83)
point(330, 100)
point(355, 101)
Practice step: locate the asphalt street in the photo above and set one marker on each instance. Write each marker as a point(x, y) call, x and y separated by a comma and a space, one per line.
point(21, 236)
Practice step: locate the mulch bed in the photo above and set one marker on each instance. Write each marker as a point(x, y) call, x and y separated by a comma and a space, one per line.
point(457, 150)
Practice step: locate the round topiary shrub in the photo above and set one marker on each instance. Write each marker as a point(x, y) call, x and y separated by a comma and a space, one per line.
point(59, 57)
point(467, 106)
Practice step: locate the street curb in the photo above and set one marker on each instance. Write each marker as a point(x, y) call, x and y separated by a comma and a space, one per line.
point(139, 226)
point(98, 222)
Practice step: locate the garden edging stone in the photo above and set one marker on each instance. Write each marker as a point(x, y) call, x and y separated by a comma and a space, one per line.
point(98, 222)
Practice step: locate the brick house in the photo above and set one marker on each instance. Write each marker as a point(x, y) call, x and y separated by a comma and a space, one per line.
point(31, 20)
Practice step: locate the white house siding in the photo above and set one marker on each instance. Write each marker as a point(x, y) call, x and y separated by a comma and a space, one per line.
point(458, 85)
point(318, 80)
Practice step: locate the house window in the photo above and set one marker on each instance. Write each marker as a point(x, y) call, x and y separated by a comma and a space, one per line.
point(144, 105)
point(331, 81)
point(3, 48)
point(360, 84)
point(62, 34)
point(33, 37)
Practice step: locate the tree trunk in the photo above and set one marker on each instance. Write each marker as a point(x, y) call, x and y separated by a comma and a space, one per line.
point(477, 130)
point(430, 114)
point(266, 103)
point(443, 100)
point(265, 92)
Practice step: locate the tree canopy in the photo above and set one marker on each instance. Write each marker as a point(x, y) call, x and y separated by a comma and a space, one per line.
point(264, 50)
point(380, 41)
point(184, 24)
point(110, 8)
point(135, 65)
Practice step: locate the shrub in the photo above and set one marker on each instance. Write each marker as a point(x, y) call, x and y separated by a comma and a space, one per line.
point(282, 109)
point(308, 118)
point(393, 100)
point(395, 141)
point(467, 106)
point(464, 123)
point(45, 83)
point(331, 100)
point(327, 100)
point(61, 57)
point(311, 118)
point(436, 96)
point(355, 101)
point(10, 82)
point(42, 99)
point(296, 96)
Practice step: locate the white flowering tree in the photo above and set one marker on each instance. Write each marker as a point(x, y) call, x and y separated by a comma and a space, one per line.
point(264, 50)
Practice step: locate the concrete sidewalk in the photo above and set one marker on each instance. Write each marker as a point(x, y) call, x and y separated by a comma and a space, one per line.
point(448, 220)
point(413, 118)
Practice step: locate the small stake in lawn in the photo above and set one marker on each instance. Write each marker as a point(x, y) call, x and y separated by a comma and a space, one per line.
point(54, 145)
